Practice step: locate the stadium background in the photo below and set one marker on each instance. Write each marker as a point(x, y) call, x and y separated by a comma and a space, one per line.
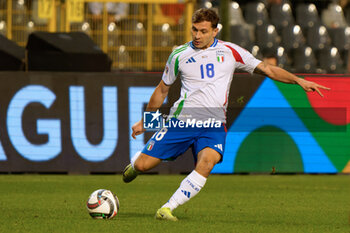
point(79, 122)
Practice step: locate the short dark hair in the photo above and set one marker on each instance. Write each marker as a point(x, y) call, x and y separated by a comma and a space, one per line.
point(204, 14)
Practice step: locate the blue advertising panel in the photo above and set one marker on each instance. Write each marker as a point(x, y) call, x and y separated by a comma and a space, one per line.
point(81, 123)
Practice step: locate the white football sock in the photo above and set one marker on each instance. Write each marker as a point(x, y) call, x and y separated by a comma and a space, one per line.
point(189, 187)
point(133, 159)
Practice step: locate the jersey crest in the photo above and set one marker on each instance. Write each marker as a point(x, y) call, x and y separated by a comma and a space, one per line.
point(220, 56)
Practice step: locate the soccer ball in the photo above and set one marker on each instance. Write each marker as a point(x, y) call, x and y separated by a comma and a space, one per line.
point(102, 204)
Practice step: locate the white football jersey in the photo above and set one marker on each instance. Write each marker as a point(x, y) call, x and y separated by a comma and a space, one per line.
point(206, 76)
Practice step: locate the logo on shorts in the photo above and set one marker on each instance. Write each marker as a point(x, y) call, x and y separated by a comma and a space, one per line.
point(152, 120)
point(150, 145)
point(219, 146)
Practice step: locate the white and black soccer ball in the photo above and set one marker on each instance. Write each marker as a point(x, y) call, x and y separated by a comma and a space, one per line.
point(102, 204)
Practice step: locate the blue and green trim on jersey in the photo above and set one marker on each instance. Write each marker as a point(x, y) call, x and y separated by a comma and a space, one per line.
point(212, 45)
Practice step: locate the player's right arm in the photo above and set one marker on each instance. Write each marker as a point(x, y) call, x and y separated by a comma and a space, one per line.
point(281, 75)
point(155, 102)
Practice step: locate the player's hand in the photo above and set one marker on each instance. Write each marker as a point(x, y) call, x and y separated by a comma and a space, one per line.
point(309, 86)
point(137, 129)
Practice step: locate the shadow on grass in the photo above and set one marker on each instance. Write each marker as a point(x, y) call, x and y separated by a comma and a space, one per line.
point(148, 217)
point(135, 215)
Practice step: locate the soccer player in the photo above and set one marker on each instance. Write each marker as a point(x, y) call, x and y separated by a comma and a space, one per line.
point(205, 66)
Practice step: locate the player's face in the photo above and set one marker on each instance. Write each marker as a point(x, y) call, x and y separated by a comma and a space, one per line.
point(203, 34)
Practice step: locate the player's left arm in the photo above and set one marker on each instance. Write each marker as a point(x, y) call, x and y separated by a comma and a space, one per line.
point(281, 75)
point(155, 102)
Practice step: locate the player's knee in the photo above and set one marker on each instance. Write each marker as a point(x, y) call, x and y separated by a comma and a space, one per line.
point(205, 165)
point(140, 167)
point(145, 162)
point(209, 165)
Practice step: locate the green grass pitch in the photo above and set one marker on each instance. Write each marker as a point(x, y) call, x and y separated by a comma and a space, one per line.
point(227, 203)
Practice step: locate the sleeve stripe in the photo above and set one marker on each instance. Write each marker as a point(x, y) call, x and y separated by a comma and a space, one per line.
point(176, 52)
point(235, 54)
point(176, 68)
